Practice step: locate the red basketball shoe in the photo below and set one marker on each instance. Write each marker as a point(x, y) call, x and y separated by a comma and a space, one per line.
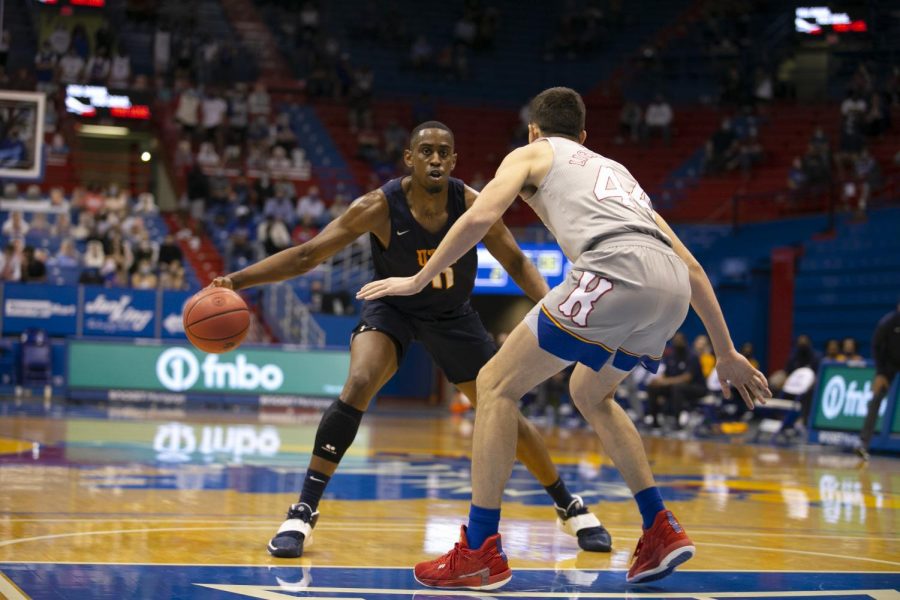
point(662, 548)
point(482, 569)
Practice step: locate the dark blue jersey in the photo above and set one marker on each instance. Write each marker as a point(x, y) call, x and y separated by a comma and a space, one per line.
point(411, 246)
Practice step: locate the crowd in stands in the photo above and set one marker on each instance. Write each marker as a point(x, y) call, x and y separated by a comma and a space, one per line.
point(865, 116)
point(583, 30)
point(253, 219)
point(99, 234)
point(236, 132)
point(640, 124)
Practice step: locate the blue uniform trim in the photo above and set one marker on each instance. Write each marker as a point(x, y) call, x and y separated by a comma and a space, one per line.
point(560, 342)
point(625, 361)
point(565, 345)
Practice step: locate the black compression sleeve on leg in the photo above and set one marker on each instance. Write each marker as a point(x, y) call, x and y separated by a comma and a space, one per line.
point(337, 430)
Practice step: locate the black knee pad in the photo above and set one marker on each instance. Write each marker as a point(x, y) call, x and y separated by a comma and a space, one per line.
point(337, 430)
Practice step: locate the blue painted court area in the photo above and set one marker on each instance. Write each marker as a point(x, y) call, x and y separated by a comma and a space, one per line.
point(99, 581)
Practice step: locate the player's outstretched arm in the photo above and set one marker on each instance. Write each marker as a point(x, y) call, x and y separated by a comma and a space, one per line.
point(364, 215)
point(502, 246)
point(731, 366)
point(466, 232)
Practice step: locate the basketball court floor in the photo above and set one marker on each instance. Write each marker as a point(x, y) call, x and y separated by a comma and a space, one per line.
point(125, 503)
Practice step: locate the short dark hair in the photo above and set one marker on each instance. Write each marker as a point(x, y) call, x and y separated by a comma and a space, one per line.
point(558, 110)
point(429, 125)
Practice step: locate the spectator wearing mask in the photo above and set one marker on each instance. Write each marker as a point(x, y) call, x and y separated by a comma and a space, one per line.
point(311, 206)
point(94, 256)
point(886, 352)
point(281, 206)
point(681, 383)
point(169, 251)
point(803, 355)
point(144, 278)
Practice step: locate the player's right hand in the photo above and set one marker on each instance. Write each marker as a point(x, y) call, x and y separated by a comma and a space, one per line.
point(735, 370)
point(223, 281)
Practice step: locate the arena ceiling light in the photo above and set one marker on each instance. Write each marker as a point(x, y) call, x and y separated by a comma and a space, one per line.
point(103, 130)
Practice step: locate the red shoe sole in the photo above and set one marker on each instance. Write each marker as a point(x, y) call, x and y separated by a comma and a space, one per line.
point(675, 555)
point(473, 583)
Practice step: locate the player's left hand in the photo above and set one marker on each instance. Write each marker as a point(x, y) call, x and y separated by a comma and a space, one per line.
point(735, 371)
point(392, 286)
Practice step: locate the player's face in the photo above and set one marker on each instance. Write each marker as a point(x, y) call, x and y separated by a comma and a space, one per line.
point(431, 159)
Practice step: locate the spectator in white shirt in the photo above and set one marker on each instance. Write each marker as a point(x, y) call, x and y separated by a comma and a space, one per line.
point(120, 70)
point(60, 39)
point(312, 206)
point(187, 113)
point(207, 158)
point(15, 226)
point(853, 107)
point(259, 102)
point(214, 109)
point(658, 118)
point(70, 67)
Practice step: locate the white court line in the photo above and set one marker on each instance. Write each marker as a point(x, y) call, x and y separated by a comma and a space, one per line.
point(259, 591)
point(54, 536)
point(10, 590)
point(358, 528)
point(306, 562)
point(388, 526)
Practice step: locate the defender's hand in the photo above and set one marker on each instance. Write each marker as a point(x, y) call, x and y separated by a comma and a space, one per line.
point(392, 286)
point(223, 281)
point(736, 371)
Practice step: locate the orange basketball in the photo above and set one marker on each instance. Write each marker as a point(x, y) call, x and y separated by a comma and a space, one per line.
point(216, 320)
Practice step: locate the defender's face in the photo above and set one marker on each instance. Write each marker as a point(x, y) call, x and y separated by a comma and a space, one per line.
point(431, 159)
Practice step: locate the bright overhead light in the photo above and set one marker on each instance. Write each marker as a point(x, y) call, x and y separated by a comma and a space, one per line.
point(145, 156)
point(104, 130)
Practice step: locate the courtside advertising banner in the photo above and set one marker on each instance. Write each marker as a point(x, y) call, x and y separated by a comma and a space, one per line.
point(183, 369)
point(119, 312)
point(842, 397)
point(50, 307)
point(172, 325)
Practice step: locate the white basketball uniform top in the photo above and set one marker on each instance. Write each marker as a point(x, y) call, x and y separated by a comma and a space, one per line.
point(586, 198)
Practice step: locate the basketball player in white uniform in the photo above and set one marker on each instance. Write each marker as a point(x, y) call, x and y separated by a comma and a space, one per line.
point(629, 290)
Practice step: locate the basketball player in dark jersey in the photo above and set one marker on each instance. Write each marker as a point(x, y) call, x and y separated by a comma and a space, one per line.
point(406, 220)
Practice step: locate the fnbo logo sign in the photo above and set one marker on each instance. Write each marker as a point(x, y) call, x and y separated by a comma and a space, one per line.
point(178, 369)
point(840, 398)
